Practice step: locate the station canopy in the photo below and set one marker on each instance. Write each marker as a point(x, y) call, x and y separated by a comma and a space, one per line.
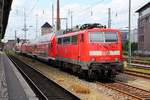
point(5, 7)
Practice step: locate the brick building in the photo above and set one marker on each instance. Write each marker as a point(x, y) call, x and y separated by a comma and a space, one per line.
point(46, 28)
point(144, 28)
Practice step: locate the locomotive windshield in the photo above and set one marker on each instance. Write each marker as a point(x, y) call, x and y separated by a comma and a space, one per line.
point(103, 37)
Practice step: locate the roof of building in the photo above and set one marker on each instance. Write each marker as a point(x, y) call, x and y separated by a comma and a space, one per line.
point(144, 7)
point(46, 25)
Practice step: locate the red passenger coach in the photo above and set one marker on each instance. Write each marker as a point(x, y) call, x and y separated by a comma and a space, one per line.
point(95, 52)
point(24, 48)
point(45, 47)
point(18, 47)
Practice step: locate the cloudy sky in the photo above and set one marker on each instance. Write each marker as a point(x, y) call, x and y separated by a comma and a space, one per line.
point(83, 11)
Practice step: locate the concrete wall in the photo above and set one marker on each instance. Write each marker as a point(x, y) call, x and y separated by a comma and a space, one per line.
point(144, 32)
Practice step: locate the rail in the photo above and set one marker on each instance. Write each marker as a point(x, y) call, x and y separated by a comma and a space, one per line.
point(141, 66)
point(133, 92)
point(138, 74)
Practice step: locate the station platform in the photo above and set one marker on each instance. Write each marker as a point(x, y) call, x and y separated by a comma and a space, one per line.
point(12, 84)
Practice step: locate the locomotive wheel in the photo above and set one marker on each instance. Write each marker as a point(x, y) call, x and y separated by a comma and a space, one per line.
point(60, 65)
point(75, 70)
point(83, 74)
point(102, 74)
point(93, 75)
point(109, 74)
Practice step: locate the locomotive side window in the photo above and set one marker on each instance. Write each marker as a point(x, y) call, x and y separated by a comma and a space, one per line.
point(74, 39)
point(103, 37)
point(59, 41)
point(66, 40)
point(111, 37)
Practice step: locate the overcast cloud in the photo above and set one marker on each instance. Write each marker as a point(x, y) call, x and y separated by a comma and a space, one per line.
point(83, 12)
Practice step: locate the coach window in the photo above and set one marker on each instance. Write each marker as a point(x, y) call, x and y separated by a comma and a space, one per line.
point(74, 39)
point(49, 46)
point(66, 40)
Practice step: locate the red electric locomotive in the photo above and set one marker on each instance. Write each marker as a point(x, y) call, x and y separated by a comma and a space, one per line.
point(93, 53)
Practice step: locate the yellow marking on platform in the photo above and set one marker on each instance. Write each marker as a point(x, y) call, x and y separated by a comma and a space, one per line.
point(80, 89)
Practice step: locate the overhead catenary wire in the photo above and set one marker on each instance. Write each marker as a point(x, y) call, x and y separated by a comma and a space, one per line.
point(72, 12)
point(31, 10)
point(88, 8)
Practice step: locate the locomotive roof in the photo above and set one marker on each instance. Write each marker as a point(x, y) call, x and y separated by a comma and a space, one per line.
point(87, 30)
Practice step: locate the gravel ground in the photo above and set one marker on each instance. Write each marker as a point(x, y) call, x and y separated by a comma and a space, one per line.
point(135, 81)
point(83, 89)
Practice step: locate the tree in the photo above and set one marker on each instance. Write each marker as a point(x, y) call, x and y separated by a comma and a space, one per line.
point(134, 46)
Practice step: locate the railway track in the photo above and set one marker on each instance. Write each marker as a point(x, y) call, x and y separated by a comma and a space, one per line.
point(141, 62)
point(44, 88)
point(142, 66)
point(138, 74)
point(137, 58)
point(133, 93)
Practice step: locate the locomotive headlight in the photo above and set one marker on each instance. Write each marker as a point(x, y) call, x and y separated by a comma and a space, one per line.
point(95, 53)
point(116, 52)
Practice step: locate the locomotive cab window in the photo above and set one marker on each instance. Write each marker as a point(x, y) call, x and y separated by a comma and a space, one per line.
point(111, 37)
point(103, 37)
point(96, 37)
